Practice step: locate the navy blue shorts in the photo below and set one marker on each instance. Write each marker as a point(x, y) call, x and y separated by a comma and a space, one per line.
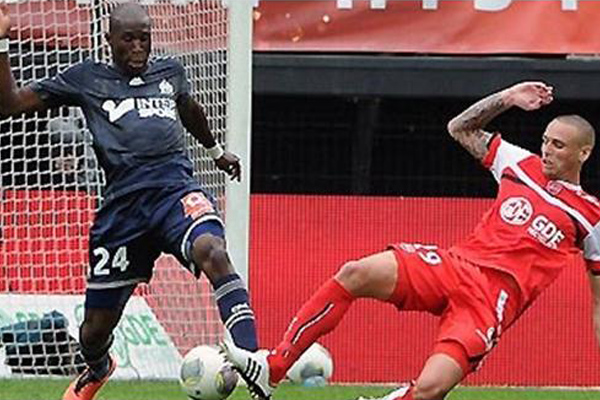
point(129, 233)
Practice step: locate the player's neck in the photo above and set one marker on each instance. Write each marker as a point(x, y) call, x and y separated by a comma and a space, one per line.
point(572, 181)
point(127, 73)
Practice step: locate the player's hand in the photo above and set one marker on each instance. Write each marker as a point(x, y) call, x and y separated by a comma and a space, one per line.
point(529, 95)
point(230, 164)
point(4, 20)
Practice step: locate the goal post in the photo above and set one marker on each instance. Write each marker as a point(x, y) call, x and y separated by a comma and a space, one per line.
point(51, 186)
point(239, 134)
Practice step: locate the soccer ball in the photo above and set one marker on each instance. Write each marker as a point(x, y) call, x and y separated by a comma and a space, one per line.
point(316, 362)
point(205, 375)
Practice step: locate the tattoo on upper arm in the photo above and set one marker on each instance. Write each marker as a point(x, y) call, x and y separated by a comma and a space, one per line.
point(467, 128)
point(476, 143)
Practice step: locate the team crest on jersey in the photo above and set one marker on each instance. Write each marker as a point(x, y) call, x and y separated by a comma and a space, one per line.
point(166, 88)
point(516, 211)
point(195, 205)
point(554, 187)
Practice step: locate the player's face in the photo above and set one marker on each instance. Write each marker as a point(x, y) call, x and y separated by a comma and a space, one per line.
point(561, 152)
point(130, 43)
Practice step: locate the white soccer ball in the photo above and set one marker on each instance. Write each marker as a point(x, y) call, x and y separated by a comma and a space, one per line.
point(315, 362)
point(205, 375)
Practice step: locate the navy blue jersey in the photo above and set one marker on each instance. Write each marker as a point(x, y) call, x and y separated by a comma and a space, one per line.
point(137, 132)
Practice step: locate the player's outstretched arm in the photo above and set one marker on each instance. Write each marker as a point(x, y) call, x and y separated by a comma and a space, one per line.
point(595, 286)
point(194, 120)
point(13, 101)
point(468, 127)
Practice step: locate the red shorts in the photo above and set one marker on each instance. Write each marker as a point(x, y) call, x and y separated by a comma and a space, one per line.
point(475, 304)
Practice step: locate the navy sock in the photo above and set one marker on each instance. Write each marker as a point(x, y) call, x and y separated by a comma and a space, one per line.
point(236, 313)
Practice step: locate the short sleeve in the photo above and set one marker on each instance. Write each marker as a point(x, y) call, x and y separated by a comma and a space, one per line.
point(64, 89)
point(501, 155)
point(591, 250)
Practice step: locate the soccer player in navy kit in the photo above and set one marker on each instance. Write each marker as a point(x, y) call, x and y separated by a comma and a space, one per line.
point(136, 109)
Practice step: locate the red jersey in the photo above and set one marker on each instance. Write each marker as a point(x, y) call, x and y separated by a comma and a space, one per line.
point(535, 226)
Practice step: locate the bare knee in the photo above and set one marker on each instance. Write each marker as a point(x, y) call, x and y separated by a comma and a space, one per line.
point(429, 390)
point(210, 255)
point(355, 277)
point(440, 374)
point(374, 276)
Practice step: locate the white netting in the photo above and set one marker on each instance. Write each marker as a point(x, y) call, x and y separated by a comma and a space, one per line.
point(51, 185)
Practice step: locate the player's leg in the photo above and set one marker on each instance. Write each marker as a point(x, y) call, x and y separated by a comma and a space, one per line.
point(475, 305)
point(370, 277)
point(193, 231)
point(440, 374)
point(208, 252)
point(103, 310)
point(374, 276)
point(120, 256)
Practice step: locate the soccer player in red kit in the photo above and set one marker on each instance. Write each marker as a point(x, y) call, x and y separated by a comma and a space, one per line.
point(539, 221)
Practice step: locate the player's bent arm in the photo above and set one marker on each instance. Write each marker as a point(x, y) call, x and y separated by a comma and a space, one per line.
point(194, 120)
point(13, 100)
point(467, 127)
point(595, 286)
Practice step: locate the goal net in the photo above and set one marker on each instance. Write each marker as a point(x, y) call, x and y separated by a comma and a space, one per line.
point(51, 187)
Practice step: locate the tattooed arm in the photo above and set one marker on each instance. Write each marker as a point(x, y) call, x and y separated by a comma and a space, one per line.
point(468, 127)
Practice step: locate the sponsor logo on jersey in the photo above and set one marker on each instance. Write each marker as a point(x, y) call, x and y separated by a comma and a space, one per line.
point(546, 231)
point(195, 205)
point(516, 211)
point(161, 107)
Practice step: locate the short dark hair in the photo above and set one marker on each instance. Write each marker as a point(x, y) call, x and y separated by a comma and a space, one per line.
point(125, 10)
point(586, 130)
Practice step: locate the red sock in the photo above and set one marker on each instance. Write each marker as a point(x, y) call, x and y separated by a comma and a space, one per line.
point(317, 317)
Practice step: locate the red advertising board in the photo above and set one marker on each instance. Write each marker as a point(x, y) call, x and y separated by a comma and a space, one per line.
point(429, 26)
point(297, 242)
point(392, 26)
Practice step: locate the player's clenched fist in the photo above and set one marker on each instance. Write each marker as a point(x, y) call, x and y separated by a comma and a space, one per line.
point(4, 20)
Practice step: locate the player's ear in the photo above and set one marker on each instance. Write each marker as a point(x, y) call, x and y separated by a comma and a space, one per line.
point(584, 153)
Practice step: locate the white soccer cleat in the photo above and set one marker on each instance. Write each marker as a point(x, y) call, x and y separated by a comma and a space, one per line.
point(397, 394)
point(252, 367)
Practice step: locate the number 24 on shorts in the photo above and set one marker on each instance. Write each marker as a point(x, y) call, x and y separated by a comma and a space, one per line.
point(105, 264)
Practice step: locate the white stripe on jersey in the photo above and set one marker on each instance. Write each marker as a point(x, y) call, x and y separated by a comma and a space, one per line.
point(551, 199)
point(509, 155)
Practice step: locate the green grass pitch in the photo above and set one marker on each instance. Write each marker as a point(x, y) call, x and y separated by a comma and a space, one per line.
point(51, 389)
